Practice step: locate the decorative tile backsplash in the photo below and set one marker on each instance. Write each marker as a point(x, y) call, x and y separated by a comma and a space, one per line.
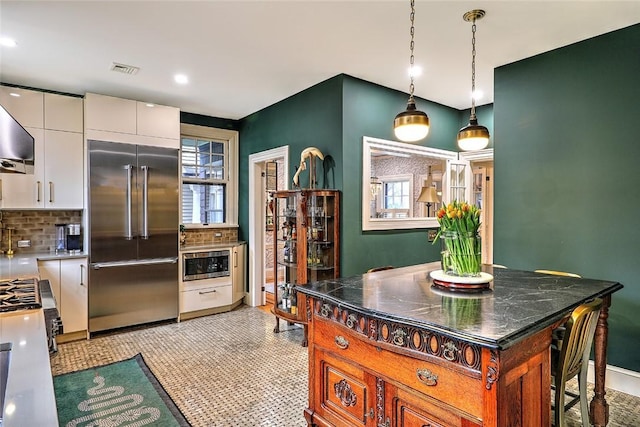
point(207, 236)
point(38, 226)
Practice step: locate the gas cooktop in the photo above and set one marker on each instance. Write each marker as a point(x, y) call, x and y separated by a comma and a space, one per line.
point(19, 294)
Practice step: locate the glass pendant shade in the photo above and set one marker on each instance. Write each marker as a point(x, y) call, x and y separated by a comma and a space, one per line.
point(473, 136)
point(412, 124)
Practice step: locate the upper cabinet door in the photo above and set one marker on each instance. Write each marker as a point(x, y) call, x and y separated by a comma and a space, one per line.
point(158, 120)
point(26, 106)
point(63, 113)
point(108, 113)
point(64, 170)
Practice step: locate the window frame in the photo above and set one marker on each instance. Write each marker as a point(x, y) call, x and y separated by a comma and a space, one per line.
point(231, 140)
point(386, 179)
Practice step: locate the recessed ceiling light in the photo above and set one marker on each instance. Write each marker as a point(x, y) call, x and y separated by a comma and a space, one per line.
point(17, 95)
point(150, 105)
point(8, 42)
point(181, 79)
point(477, 94)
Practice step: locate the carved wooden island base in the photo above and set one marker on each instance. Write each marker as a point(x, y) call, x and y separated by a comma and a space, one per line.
point(386, 351)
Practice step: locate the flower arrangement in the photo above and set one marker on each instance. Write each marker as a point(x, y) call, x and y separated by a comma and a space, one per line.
point(461, 253)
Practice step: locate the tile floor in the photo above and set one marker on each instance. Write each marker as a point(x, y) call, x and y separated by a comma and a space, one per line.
point(231, 370)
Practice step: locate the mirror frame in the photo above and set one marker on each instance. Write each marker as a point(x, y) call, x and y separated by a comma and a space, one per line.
point(368, 223)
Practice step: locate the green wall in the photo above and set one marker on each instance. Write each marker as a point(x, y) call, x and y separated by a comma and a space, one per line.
point(334, 116)
point(369, 110)
point(214, 122)
point(312, 117)
point(566, 152)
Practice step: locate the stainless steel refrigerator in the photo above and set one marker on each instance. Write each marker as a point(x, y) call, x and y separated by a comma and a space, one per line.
point(133, 234)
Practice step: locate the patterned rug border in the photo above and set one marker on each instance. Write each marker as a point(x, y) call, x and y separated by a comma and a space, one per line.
point(157, 386)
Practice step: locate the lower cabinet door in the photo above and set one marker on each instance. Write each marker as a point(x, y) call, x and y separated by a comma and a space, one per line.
point(347, 393)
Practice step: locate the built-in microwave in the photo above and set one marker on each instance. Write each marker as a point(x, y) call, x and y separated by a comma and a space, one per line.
point(205, 265)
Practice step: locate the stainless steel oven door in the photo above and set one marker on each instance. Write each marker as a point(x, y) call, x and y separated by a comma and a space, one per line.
point(205, 265)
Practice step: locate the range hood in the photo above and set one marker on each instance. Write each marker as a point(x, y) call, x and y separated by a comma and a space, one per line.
point(16, 146)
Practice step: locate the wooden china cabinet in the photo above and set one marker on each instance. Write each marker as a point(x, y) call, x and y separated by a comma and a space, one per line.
point(307, 248)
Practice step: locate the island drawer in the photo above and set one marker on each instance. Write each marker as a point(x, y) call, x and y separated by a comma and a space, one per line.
point(442, 383)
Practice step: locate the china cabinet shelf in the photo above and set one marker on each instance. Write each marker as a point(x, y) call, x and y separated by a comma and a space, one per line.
point(306, 239)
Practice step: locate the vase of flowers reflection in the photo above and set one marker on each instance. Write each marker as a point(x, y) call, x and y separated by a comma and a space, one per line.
point(461, 252)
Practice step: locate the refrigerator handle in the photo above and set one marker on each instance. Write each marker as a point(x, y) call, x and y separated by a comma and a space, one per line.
point(145, 202)
point(127, 221)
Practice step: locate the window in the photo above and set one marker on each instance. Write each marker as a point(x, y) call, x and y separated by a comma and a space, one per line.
point(395, 200)
point(396, 195)
point(209, 176)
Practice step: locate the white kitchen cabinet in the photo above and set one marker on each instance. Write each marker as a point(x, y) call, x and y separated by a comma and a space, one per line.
point(237, 272)
point(27, 108)
point(63, 170)
point(63, 113)
point(123, 120)
point(68, 279)
point(206, 297)
point(158, 120)
point(109, 113)
point(57, 181)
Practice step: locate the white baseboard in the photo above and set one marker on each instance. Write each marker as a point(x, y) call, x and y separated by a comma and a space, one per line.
point(619, 379)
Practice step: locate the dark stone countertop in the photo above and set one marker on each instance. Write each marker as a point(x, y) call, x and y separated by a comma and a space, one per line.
point(519, 303)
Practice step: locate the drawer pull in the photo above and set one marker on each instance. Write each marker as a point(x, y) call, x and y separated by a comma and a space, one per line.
point(345, 393)
point(427, 377)
point(341, 342)
point(206, 292)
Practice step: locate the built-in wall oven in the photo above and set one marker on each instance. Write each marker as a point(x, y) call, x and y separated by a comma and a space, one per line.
point(205, 265)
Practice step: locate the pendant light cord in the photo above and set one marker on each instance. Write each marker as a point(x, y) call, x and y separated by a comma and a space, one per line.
point(473, 69)
point(412, 16)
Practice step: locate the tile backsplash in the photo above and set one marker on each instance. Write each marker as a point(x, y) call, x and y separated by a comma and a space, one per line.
point(38, 226)
point(207, 236)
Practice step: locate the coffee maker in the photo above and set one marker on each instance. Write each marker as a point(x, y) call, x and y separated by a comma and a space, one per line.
point(73, 238)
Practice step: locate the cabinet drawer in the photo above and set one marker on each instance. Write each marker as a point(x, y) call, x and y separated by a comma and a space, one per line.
point(428, 378)
point(203, 298)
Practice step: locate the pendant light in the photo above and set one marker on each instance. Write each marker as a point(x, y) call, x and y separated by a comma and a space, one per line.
point(412, 124)
point(473, 136)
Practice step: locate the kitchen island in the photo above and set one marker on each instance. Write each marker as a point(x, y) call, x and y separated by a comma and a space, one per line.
point(387, 348)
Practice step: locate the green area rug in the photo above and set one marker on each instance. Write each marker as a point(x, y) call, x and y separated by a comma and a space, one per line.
point(123, 393)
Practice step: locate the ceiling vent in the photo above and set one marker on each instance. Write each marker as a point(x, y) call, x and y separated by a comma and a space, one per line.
point(126, 69)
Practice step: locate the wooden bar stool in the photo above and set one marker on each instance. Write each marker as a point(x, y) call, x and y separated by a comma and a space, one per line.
point(570, 357)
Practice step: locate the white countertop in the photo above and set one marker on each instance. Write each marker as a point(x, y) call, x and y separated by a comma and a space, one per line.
point(25, 265)
point(29, 398)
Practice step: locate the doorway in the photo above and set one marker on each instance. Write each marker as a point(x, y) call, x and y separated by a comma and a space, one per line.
point(260, 254)
point(482, 196)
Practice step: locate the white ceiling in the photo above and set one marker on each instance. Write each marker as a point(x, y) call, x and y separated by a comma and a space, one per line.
point(242, 56)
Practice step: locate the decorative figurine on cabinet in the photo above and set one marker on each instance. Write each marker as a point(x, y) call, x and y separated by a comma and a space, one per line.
point(311, 153)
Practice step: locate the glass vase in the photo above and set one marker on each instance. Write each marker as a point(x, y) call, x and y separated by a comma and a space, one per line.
point(461, 253)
